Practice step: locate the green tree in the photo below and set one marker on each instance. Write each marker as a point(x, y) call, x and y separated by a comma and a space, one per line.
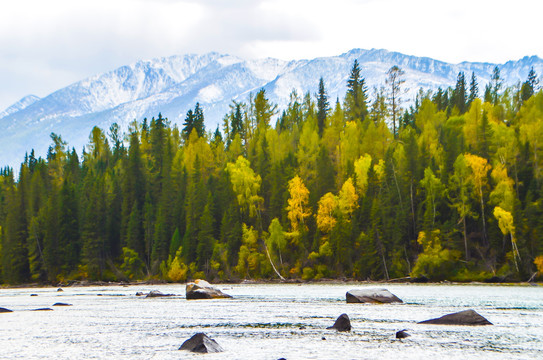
point(356, 97)
point(473, 89)
point(395, 81)
point(460, 97)
point(323, 106)
point(529, 86)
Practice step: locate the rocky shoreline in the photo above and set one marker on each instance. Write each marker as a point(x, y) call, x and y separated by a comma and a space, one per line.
point(404, 281)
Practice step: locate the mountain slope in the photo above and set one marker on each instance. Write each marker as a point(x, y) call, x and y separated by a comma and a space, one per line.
point(174, 84)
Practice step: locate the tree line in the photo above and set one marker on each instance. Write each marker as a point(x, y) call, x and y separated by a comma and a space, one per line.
point(449, 188)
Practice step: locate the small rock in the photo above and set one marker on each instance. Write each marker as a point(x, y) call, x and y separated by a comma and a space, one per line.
point(33, 294)
point(156, 293)
point(61, 304)
point(139, 293)
point(323, 338)
point(4, 310)
point(59, 290)
point(402, 334)
point(302, 327)
point(466, 317)
point(373, 296)
point(43, 309)
point(201, 343)
point(343, 323)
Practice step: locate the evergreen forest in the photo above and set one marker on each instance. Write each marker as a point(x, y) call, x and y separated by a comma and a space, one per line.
point(447, 188)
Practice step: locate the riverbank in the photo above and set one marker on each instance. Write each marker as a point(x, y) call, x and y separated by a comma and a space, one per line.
point(406, 281)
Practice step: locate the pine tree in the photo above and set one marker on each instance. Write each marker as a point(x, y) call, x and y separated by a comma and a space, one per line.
point(134, 232)
point(68, 235)
point(188, 125)
point(206, 239)
point(460, 94)
point(323, 107)
point(199, 120)
point(473, 90)
point(356, 98)
point(529, 86)
point(495, 86)
point(395, 81)
point(15, 265)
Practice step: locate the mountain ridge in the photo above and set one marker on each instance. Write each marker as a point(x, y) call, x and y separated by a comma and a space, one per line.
point(172, 85)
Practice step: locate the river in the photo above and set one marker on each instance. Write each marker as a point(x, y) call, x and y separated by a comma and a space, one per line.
point(270, 321)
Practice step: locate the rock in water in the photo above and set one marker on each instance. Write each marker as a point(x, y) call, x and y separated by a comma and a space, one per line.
point(4, 310)
point(156, 293)
point(201, 343)
point(201, 289)
point(61, 304)
point(343, 323)
point(43, 309)
point(373, 296)
point(402, 334)
point(466, 317)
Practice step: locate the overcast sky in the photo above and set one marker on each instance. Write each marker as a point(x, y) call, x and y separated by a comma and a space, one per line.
point(46, 45)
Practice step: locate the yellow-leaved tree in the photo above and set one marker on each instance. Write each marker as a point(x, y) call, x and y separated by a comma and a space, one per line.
point(361, 168)
point(478, 176)
point(349, 148)
point(246, 185)
point(347, 199)
point(325, 213)
point(298, 204)
point(435, 262)
point(531, 130)
point(505, 221)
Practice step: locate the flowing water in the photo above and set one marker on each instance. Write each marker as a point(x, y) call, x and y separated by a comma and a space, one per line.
point(270, 321)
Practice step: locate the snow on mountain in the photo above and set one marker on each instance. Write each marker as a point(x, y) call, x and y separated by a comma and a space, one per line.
point(174, 84)
point(19, 105)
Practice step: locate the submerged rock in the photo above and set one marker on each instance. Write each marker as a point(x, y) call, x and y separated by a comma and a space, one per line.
point(4, 310)
point(201, 343)
point(156, 293)
point(402, 334)
point(466, 317)
point(373, 296)
point(43, 309)
point(61, 304)
point(343, 323)
point(201, 289)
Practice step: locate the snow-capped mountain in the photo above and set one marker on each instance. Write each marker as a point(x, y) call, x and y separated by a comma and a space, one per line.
point(173, 85)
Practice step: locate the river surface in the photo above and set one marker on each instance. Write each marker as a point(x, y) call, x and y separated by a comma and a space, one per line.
point(270, 321)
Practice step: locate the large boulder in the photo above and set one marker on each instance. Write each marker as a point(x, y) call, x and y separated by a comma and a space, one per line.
point(201, 289)
point(466, 317)
point(343, 323)
point(372, 296)
point(201, 343)
point(4, 310)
